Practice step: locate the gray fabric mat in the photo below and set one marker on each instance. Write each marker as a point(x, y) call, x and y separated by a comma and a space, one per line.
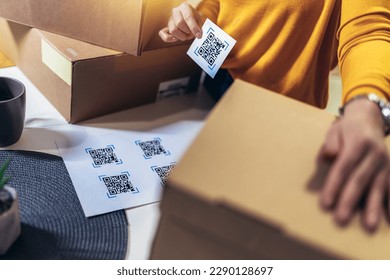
point(53, 223)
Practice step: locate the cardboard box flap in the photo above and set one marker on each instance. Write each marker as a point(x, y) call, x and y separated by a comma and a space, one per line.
point(78, 19)
point(257, 155)
point(75, 50)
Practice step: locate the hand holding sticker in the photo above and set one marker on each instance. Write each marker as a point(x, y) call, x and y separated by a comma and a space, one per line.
point(210, 51)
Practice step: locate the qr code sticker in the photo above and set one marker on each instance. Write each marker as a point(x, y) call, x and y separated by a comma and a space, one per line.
point(163, 172)
point(103, 156)
point(118, 184)
point(211, 48)
point(152, 148)
point(210, 51)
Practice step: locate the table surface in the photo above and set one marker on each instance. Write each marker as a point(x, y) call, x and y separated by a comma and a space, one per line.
point(41, 116)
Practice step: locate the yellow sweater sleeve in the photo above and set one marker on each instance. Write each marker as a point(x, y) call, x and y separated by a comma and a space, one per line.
point(209, 8)
point(364, 47)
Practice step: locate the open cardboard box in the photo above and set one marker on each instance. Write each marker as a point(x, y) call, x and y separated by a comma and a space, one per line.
point(245, 189)
point(129, 26)
point(84, 81)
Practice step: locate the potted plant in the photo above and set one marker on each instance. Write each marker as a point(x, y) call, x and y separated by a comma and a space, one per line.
point(9, 212)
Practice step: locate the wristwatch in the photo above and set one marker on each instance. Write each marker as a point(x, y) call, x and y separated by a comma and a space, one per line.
point(383, 106)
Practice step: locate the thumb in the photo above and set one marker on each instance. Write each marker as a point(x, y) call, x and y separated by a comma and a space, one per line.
point(331, 146)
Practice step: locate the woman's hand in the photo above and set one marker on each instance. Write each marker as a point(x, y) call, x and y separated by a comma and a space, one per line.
point(183, 25)
point(361, 166)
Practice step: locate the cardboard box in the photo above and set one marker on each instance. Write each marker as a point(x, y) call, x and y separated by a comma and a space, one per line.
point(245, 188)
point(129, 26)
point(85, 81)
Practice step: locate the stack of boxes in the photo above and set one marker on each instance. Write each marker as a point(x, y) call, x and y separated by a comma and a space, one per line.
point(90, 58)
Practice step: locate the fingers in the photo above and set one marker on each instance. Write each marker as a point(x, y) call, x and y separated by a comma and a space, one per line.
point(183, 25)
point(340, 170)
point(360, 171)
point(166, 36)
point(177, 32)
point(374, 203)
point(331, 145)
point(185, 19)
point(363, 180)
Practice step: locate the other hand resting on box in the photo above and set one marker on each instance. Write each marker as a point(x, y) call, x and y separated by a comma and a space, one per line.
point(361, 166)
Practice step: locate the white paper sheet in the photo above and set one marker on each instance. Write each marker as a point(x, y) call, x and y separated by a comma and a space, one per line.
point(113, 170)
point(210, 51)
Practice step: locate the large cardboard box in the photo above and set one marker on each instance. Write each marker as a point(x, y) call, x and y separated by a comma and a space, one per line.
point(129, 26)
point(245, 189)
point(85, 81)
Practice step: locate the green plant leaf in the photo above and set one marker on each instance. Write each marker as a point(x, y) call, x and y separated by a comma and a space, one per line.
point(3, 168)
point(4, 181)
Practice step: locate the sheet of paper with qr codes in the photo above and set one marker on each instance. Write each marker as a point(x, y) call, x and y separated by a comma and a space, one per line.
point(113, 171)
point(210, 51)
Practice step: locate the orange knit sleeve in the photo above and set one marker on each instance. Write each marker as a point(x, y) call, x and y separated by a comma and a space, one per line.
point(209, 8)
point(364, 47)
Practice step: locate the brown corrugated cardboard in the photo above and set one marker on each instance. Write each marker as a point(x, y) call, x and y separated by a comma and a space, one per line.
point(129, 26)
point(4, 61)
point(84, 81)
point(244, 189)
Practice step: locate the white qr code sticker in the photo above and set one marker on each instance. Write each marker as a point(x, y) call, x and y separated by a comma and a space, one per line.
point(210, 51)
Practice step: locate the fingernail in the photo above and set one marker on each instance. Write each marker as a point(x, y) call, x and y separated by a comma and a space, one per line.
point(372, 219)
point(198, 35)
point(343, 216)
point(326, 202)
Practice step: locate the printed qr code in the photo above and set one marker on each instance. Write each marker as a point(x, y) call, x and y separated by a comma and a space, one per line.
point(103, 156)
point(118, 184)
point(211, 48)
point(163, 172)
point(152, 148)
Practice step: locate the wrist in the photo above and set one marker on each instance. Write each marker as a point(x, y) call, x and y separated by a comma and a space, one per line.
point(370, 106)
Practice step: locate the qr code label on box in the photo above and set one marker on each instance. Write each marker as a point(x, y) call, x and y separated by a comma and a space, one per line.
point(210, 51)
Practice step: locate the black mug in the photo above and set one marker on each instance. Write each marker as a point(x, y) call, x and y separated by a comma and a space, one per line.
point(12, 110)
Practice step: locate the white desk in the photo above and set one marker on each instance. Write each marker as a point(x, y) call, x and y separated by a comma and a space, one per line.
point(41, 116)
